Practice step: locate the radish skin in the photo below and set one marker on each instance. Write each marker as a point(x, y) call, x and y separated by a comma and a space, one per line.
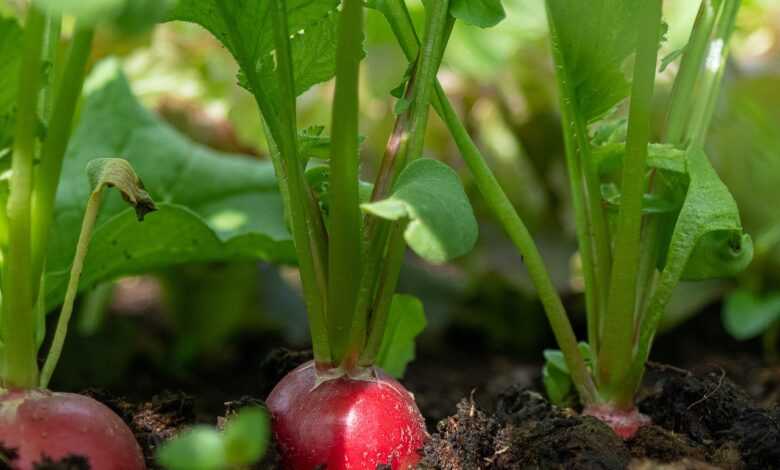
point(41, 423)
point(345, 423)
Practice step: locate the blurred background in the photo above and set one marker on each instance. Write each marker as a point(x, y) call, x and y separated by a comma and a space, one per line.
point(181, 327)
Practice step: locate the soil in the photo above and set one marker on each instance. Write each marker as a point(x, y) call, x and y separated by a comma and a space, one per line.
point(489, 412)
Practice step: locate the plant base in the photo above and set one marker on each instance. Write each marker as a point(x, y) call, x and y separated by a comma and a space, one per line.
point(625, 423)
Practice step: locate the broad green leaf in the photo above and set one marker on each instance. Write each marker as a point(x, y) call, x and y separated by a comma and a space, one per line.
point(10, 60)
point(746, 315)
point(592, 40)
point(482, 13)
point(244, 27)
point(428, 194)
point(708, 208)
point(406, 320)
point(212, 206)
point(200, 448)
point(247, 435)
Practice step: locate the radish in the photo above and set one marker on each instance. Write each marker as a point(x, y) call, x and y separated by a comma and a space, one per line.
point(38, 423)
point(345, 423)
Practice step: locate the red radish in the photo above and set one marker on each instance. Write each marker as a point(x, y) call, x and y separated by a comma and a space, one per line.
point(40, 422)
point(345, 423)
point(624, 423)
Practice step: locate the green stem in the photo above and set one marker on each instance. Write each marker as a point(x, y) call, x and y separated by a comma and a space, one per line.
point(714, 67)
point(310, 259)
point(617, 343)
point(683, 95)
point(667, 282)
point(87, 225)
point(577, 147)
point(50, 49)
point(437, 31)
point(345, 218)
point(53, 150)
point(18, 319)
point(400, 22)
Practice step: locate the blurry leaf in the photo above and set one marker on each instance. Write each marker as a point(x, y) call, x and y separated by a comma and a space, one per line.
point(482, 13)
point(10, 60)
point(200, 448)
point(652, 203)
point(593, 39)
point(719, 254)
point(212, 206)
point(429, 195)
point(556, 377)
point(128, 15)
point(608, 158)
point(245, 28)
point(746, 315)
point(406, 320)
point(247, 435)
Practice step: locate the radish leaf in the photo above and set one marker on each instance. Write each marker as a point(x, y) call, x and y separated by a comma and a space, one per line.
point(405, 321)
point(212, 206)
point(428, 194)
point(482, 13)
point(746, 315)
point(593, 40)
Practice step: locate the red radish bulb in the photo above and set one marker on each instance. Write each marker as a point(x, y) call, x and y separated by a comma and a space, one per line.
point(345, 423)
point(624, 423)
point(40, 422)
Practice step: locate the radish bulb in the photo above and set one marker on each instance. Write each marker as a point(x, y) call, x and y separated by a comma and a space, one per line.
point(345, 423)
point(38, 423)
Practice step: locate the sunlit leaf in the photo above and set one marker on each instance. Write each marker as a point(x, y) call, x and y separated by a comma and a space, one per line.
point(429, 195)
point(482, 13)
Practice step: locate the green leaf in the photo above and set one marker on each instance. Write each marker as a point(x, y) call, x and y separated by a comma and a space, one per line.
point(708, 208)
point(246, 436)
point(482, 13)
point(212, 206)
point(10, 60)
point(244, 27)
point(719, 254)
point(746, 315)
point(556, 377)
point(405, 321)
point(200, 448)
point(128, 15)
point(593, 40)
point(430, 197)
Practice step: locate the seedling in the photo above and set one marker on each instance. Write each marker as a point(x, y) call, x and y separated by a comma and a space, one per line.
point(647, 214)
point(35, 422)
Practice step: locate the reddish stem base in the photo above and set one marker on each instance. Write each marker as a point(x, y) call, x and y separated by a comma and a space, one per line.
point(625, 423)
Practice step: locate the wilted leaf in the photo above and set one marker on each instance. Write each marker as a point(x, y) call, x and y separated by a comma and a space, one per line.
point(117, 173)
point(406, 320)
point(428, 194)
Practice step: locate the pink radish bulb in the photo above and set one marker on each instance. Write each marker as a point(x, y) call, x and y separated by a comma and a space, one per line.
point(41, 423)
point(625, 423)
point(345, 423)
